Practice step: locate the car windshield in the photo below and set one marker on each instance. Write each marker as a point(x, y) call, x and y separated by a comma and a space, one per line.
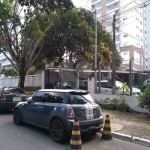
point(13, 90)
point(80, 98)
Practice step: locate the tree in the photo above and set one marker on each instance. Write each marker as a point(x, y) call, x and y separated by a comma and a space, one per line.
point(144, 98)
point(69, 35)
point(9, 72)
point(125, 88)
point(72, 37)
point(21, 32)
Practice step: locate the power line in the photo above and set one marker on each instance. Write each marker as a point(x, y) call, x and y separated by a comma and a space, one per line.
point(131, 36)
point(126, 11)
point(133, 8)
point(136, 15)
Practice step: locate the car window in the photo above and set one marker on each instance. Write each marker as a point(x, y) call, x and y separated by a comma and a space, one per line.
point(65, 83)
point(55, 97)
point(103, 84)
point(58, 83)
point(79, 98)
point(39, 97)
point(13, 90)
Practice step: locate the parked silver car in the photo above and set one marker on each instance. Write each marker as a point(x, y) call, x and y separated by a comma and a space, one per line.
point(106, 88)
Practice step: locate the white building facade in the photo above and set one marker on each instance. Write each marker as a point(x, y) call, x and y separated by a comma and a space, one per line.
point(147, 33)
point(130, 28)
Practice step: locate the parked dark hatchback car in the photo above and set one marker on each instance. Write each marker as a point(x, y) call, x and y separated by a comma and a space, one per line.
point(55, 110)
point(10, 96)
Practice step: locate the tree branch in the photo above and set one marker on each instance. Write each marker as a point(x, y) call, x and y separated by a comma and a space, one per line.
point(34, 59)
point(38, 42)
point(10, 61)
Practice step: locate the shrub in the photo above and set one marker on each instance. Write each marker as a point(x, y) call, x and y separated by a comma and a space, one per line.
point(113, 104)
point(109, 104)
point(31, 88)
point(144, 98)
point(123, 107)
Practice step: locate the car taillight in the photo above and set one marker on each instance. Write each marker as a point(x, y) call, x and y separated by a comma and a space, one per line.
point(70, 113)
point(2, 97)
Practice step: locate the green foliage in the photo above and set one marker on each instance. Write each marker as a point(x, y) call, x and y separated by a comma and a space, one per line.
point(28, 22)
point(144, 98)
point(114, 105)
point(9, 72)
point(123, 107)
point(124, 87)
point(72, 34)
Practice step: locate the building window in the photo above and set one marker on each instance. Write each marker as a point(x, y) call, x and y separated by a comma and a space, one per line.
point(94, 1)
point(99, 11)
point(125, 18)
point(125, 35)
point(113, 6)
point(96, 6)
point(117, 37)
point(117, 29)
point(109, 1)
point(124, 44)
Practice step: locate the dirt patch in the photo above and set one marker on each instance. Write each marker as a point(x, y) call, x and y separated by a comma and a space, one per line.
point(134, 124)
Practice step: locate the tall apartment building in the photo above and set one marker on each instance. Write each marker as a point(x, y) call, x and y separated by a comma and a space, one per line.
point(130, 28)
point(147, 42)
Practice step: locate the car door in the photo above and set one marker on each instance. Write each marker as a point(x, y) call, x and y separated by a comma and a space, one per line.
point(33, 111)
point(53, 105)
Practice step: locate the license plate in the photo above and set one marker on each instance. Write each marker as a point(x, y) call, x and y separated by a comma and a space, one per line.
point(16, 99)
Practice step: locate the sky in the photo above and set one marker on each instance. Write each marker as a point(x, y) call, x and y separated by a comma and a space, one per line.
point(79, 3)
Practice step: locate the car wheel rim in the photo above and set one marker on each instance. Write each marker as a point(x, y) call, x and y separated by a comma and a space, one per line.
point(56, 130)
point(16, 116)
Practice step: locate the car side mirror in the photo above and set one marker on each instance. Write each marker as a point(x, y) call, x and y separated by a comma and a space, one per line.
point(29, 100)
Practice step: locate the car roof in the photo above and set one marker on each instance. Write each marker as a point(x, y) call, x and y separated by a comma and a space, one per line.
point(63, 90)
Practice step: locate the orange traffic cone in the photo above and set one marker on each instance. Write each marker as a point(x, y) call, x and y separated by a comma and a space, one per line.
point(75, 142)
point(106, 134)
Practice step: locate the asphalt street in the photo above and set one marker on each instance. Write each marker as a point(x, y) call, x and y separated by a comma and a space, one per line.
point(27, 137)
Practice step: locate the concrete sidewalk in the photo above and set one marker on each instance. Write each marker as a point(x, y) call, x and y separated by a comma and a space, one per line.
point(129, 126)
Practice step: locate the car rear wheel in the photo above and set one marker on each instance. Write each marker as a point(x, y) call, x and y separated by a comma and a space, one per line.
point(17, 117)
point(57, 131)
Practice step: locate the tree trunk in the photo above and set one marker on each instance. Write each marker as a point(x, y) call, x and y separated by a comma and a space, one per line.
point(22, 76)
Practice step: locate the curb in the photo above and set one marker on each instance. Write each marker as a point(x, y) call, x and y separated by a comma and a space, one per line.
point(130, 138)
point(141, 141)
point(122, 136)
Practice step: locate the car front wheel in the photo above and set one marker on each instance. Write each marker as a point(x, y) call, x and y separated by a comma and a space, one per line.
point(17, 117)
point(57, 131)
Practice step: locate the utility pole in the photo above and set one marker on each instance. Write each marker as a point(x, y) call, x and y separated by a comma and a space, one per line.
point(130, 67)
point(114, 56)
point(99, 77)
point(95, 67)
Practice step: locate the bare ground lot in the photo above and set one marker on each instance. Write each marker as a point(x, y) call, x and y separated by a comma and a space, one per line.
point(134, 124)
